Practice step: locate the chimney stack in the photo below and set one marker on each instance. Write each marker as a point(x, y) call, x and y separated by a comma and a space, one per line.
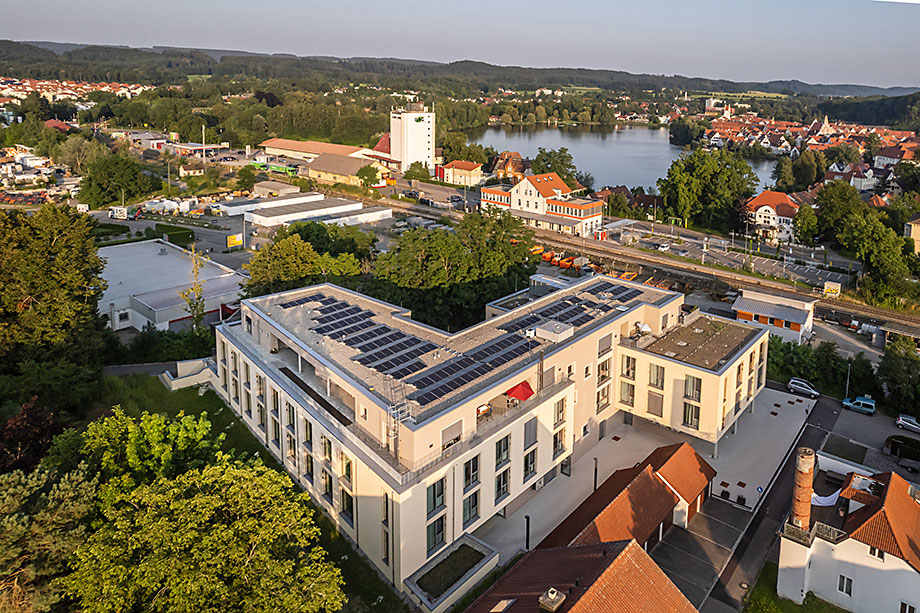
point(804, 486)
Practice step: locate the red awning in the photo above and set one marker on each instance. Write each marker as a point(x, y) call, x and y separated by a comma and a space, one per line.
point(521, 391)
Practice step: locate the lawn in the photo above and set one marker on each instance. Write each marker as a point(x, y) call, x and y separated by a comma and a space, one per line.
point(449, 570)
point(138, 393)
point(763, 598)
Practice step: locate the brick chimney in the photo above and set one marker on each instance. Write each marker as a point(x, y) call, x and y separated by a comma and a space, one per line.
point(804, 486)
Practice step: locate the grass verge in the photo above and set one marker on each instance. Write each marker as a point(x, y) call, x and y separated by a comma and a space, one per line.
point(449, 570)
point(763, 598)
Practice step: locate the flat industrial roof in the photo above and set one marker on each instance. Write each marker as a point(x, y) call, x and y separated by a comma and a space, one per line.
point(145, 267)
point(705, 342)
point(770, 309)
point(301, 207)
point(228, 285)
point(395, 357)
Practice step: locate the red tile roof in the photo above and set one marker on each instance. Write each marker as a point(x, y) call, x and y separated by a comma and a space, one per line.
point(461, 165)
point(889, 521)
point(55, 124)
point(383, 145)
point(633, 501)
point(781, 203)
point(683, 469)
point(609, 578)
point(547, 184)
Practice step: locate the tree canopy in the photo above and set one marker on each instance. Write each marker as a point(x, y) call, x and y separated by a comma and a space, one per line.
point(291, 262)
point(558, 161)
point(110, 177)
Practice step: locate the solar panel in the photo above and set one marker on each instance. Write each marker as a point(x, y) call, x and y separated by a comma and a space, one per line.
point(351, 310)
point(408, 369)
point(484, 351)
point(599, 287)
point(384, 339)
point(581, 320)
point(629, 295)
point(356, 327)
point(357, 339)
point(520, 324)
point(437, 374)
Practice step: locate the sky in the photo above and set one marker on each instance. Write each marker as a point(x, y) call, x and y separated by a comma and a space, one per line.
point(869, 42)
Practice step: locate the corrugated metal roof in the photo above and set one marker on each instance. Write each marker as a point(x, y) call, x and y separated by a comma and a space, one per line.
point(776, 311)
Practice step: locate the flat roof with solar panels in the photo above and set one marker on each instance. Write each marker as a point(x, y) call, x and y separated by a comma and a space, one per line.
point(389, 354)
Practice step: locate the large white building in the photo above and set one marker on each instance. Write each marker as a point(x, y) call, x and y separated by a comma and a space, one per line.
point(545, 201)
point(412, 134)
point(410, 437)
point(857, 547)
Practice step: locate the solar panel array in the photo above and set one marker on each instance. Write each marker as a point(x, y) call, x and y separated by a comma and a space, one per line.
point(317, 297)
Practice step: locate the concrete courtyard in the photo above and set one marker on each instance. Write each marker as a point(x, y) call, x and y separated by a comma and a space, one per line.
point(747, 460)
point(750, 457)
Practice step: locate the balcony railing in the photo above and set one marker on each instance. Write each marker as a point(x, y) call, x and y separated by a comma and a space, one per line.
point(819, 529)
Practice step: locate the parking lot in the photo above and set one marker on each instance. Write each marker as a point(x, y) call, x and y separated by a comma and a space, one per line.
point(870, 431)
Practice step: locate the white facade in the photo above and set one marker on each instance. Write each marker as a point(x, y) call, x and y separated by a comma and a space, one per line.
point(398, 478)
point(766, 216)
point(412, 138)
point(874, 584)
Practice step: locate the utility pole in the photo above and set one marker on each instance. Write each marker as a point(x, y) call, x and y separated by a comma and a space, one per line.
point(846, 394)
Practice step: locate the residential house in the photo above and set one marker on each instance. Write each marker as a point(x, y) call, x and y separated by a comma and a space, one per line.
point(510, 165)
point(468, 174)
point(545, 201)
point(771, 214)
point(856, 546)
point(912, 231)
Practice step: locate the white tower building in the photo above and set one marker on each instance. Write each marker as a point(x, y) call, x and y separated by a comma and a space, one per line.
point(412, 136)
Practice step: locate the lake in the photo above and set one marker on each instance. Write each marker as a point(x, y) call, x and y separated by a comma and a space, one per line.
point(628, 156)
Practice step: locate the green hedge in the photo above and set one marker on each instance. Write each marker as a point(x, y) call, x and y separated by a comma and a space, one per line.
point(175, 234)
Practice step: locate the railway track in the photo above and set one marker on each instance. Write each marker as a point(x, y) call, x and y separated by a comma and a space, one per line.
point(590, 247)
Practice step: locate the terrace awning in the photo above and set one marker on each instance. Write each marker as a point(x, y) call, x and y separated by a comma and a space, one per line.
point(522, 391)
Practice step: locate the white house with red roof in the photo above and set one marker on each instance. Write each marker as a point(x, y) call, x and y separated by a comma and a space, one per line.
point(545, 201)
point(856, 547)
point(771, 214)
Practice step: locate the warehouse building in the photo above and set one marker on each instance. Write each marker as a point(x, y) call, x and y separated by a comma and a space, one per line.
point(145, 280)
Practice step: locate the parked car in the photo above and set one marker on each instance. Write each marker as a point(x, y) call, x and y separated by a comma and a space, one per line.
point(860, 404)
point(908, 422)
point(663, 247)
point(427, 201)
point(455, 198)
point(802, 387)
point(683, 253)
point(411, 193)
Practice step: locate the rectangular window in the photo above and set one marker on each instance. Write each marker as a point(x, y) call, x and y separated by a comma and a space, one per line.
point(471, 472)
point(327, 486)
point(308, 466)
point(386, 508)
point(655, 404)
point(603, 398)
point(845, 585)
point(308, 433)
point(435, 534)
point(348, 505)
point(570, 371)
point(327, 448)
point(346, 468)
point(558, 443)
point(692, 416)
point(587, 371)
point(290, 414)
point(501, 484)
point(664, 322)
point(261, 412)
point(386, 547)
point(435, 496)
point(656, 376)
point(876, 553)
point(603, 371)
point(502, 448)
point(291, 447)
point(248, 324)
point(627, 393)
point(471, 508)
point(604, 344)
point(693, 388)
point(559, 412)
point(530, 433)
point(247, 400)
point(738, 375)
point(276, 432)
point(629, 367)
point(530, 464)
point(908, 608)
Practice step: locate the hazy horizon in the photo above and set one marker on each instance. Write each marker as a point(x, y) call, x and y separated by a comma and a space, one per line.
point(818, 41)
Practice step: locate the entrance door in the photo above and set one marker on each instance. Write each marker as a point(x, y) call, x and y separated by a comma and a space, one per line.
point(601, 429)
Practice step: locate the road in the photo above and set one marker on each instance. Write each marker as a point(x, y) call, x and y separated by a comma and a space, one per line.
point(848, 343)
point(705, 248)
point(747, 560)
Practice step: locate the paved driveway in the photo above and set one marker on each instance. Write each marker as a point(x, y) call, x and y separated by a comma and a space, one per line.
point(870, 431)
point(694, 558)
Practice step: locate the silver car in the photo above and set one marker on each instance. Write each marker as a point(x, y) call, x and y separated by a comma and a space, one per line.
point(908, 422)
point(802, 387)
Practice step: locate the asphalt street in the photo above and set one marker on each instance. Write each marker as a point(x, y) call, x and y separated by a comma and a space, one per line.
point(777, 501)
